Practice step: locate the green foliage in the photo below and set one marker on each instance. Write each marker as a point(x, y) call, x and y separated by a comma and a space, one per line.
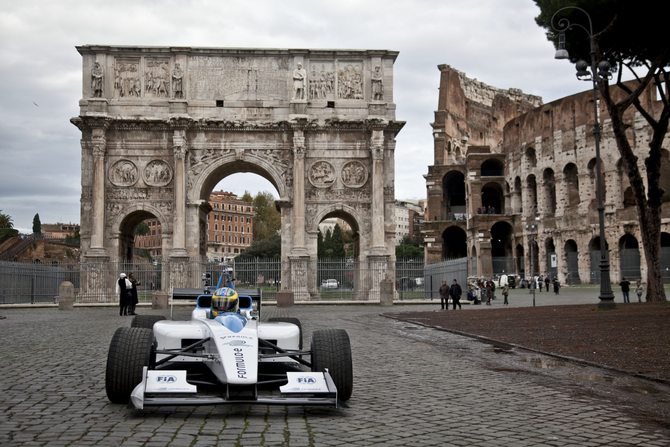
point(142, 228)
point(37, 225)
point(332, 244)
point(6, 221)
point(266, 248)
point(6, 233)
point(337, 242)
point(408, 249)
point(626, 30)
point(267, 220)
point(247, 197)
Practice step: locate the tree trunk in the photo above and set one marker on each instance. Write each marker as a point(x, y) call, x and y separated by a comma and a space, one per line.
point(648, 210)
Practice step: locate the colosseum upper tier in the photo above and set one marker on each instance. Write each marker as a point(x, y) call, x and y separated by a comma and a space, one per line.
point(510, 172)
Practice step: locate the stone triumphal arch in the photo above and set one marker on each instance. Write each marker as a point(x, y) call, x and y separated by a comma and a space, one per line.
point(161, 126)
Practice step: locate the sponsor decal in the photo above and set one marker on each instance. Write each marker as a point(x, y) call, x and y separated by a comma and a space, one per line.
point(239, 363)
point(236, 343)
point(166, 379)
point(306, 380)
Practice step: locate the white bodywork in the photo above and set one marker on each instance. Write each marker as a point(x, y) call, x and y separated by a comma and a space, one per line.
point(233, 357)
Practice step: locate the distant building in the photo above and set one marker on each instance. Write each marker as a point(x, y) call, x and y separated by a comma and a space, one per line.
point(59, 230)
point(229, 228)
point(329, 224)
point(408, 213)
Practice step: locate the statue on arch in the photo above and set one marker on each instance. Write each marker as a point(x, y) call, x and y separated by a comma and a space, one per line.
point(96, 80)
point(299, 78)
point(377, 85)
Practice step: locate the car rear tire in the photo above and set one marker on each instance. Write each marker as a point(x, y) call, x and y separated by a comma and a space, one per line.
point(331, 349)
point(292, 321)
point(130, 351)
point(146, 321)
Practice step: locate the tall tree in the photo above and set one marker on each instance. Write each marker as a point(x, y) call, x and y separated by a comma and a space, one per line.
point(337, 242)
point(247, 197)
point(267, 220)
point(37, 225)
point(632, 36)
point(267, 248)
point(7, 229)
point(142, 228)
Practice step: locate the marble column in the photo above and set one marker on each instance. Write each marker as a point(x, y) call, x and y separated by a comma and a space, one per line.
point(98, 198)
point(180, 150)
point(377, 148)
point(299, 248)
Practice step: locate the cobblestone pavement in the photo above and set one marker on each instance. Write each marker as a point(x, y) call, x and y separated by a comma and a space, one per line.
point(413, 386)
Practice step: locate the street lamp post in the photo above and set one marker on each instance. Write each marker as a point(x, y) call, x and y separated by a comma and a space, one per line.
point(532, 228)
point(598, 73)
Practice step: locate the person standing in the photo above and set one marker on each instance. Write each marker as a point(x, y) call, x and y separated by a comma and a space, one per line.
point(540, 282)
point(133, 291)
point(444, 295)
point(505, 292)
point(547, 281)
point(557, 285)
point(123, 287)
point(489, 292)
point(455, 292)
point(625, 288)
point(639, 290)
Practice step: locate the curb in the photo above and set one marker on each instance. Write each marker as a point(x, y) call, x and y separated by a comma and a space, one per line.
point(565, 358)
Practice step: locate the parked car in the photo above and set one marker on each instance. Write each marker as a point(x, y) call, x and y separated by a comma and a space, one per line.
point(330, 284)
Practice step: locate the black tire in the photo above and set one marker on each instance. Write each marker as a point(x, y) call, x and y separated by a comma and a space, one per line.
point(331, 349)
point(129, 352)
point(292, 321)
point(146, 321)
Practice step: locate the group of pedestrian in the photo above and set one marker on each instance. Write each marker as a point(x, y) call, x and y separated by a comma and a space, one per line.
point(126, 287)
point(454, 292)
point(625, 289)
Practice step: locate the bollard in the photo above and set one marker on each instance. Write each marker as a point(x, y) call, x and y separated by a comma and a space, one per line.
point(285, 298)
point(159, 300)
point(66, 296)
point(386, 292)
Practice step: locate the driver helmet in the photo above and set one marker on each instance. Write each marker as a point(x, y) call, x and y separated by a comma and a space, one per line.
point(224, 300)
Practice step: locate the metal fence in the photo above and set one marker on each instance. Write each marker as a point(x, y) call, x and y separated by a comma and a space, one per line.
point(332, 279)
point(447, 271)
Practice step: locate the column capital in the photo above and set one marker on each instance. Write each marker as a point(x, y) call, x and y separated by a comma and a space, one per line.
point(179, 144)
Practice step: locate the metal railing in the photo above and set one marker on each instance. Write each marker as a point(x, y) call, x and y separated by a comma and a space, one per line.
point(331, 279)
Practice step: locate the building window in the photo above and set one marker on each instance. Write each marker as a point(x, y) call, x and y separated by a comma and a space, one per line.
point(248, 229)
point(216, 227)
point(230, 218)
point(230, 228)
point(242, 229)
point(236, 251)
point(216, 217)
point(235, 227)
point(235, 218)
point(216, 238)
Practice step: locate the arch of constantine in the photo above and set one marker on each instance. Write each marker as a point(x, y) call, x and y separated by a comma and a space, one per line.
point(161, 126)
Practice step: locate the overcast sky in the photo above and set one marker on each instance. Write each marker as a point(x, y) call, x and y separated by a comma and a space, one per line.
point(496, 42)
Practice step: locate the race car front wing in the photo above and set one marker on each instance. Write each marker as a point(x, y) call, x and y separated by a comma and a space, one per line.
point(170, 387)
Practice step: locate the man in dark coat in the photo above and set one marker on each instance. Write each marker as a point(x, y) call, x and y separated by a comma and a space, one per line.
point(133, 291)
point(455, 292)
point(444, 295)
point(122, 290)
point(625, 288)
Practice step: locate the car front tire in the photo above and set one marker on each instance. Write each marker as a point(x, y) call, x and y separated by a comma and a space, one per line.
point(331, 349)
point(129, 352)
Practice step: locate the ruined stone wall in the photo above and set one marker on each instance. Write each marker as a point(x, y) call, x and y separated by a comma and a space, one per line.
point(554, 144)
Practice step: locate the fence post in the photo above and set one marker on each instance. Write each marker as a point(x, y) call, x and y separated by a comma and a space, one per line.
point(285, 298)
point(159, 300)
point(386, 292)
point(66, 296)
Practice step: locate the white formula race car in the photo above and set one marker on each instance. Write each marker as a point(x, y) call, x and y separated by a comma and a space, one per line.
point(226, 355)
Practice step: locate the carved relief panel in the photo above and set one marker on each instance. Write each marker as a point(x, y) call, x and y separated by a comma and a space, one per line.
point(350, 80)
point(321, 80)
point(157, 77)
point(127, 82)
point(322, 174)
point(354, 174)
point(123, 173)
point(157, 173)
point(238, 78)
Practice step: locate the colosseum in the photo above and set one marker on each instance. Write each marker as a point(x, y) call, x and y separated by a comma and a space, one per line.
point(503, 161)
